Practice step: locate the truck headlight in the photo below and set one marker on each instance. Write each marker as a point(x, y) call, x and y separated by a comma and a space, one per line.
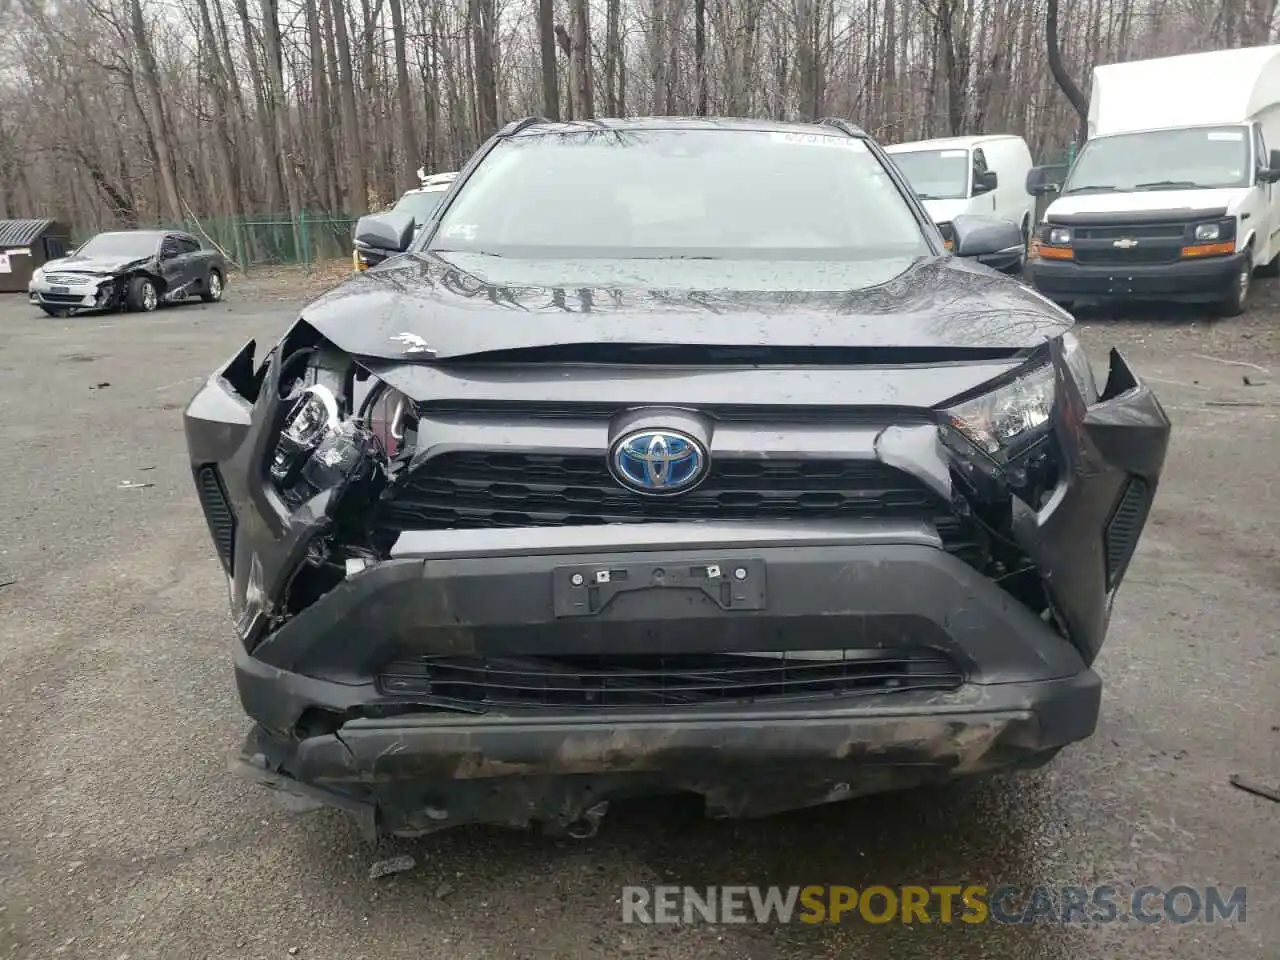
point(1059, 236)
point(1208, 231)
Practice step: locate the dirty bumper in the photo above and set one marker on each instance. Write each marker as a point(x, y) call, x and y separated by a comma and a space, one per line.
point(419, 774)
point(870, 666)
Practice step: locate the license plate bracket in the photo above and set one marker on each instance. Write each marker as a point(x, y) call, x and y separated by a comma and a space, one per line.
point(59, 289)
point(585, 590)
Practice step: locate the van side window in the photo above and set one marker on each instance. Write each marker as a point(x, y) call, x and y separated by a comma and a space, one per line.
point(1260, 156)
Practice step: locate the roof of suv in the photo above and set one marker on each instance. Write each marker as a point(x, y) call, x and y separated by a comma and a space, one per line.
point(533, 127)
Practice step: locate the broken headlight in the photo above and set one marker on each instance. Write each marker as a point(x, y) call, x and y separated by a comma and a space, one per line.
point(1010, 417)
point(313, 418)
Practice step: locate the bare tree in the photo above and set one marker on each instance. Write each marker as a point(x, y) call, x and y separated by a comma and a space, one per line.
point(230, 108)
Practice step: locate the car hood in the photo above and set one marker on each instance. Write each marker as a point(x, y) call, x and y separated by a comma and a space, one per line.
point(423, 307)
point(93, 264)
point(1148, 201)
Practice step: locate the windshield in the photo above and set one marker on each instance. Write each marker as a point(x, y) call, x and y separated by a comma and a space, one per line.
point(936, 174)
point(120, 245)
point(1163, 160)
point(706, 194)
point(420, 205)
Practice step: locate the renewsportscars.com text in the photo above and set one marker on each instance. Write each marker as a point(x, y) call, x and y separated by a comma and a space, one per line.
point(972, 904)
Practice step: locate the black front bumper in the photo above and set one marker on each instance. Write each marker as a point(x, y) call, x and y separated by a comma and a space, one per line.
point(1187, 281)
point(327, 728)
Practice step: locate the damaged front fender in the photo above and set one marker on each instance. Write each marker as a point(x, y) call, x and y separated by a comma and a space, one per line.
point(274, 531)
point(1082, 539)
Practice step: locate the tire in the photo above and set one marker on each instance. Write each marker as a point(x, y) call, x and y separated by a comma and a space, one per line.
point(213, 287)
point(1238, 301)
point(142, 296)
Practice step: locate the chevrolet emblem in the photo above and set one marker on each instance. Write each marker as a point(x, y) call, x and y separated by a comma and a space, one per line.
point(1126, 243)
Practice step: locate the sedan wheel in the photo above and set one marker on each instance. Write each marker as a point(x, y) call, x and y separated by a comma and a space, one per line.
point(142, 295)
point(213, 288)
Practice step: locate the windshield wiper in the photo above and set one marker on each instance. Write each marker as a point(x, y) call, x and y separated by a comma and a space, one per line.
point(1160, 184)
point(1093, 188)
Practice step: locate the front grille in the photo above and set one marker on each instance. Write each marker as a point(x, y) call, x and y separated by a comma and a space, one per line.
point(1135, 256)
point(67, 278)
point(73, 298)
point(1120, 536)
point(649, 680)
point(470, 490)
point(217, 513)
point(1137, 232)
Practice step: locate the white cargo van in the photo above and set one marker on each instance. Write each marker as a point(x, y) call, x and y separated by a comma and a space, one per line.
point(984, 175)
point(1173, 197)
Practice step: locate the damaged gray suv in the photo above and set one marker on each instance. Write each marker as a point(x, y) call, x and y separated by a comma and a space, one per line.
point(670, 457)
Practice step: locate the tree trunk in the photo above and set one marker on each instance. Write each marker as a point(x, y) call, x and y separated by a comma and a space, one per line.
point(700, 53)
point(483, 35)
point(411, 150)
point(547, 52)
point(613, 57)
point(580, 61)
point(1053, 49)
point(163, 135)
point(357, 186)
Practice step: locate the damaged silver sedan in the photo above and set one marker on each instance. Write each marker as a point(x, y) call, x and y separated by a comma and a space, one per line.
point(607, 484)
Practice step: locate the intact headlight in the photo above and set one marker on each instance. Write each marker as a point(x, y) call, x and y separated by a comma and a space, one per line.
point(1012, 416)
point(1208, 231)
point(37, 274)
point(1059, 236)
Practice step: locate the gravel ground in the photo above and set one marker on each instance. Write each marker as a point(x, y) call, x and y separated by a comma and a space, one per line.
point(125, 837)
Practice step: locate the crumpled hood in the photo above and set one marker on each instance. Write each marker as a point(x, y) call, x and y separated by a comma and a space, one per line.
point(422, 307)
point(92, 264)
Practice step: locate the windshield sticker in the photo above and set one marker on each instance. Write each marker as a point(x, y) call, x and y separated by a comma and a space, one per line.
point(1225, 135)
point(953, 153)
point(817, 140)
point(461, 231)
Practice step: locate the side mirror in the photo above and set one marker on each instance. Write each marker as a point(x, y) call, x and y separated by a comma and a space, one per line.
point(1042, 180)
point(1271, 173)
point(985, 183)
point(991, 241)
point(387, 233)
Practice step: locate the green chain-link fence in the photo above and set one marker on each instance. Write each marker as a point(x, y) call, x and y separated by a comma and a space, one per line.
point(1061, 164)
point(269, 239)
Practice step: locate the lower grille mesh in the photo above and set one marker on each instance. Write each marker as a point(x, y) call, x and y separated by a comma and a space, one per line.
point(217, 513)
point(648, 680)
point(1123, 529)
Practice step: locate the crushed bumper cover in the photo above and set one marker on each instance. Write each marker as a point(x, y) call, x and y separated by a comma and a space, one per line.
point(1188, 281)
point(1026, 691)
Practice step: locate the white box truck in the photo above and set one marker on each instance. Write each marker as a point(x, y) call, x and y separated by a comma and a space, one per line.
point(1173, 196)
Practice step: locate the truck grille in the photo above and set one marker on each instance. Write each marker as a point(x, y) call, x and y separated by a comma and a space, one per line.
point(469, 490)
point(1134, 255)
point(649, 680)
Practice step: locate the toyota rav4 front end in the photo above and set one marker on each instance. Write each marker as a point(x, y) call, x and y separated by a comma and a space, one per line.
point(650, 495)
